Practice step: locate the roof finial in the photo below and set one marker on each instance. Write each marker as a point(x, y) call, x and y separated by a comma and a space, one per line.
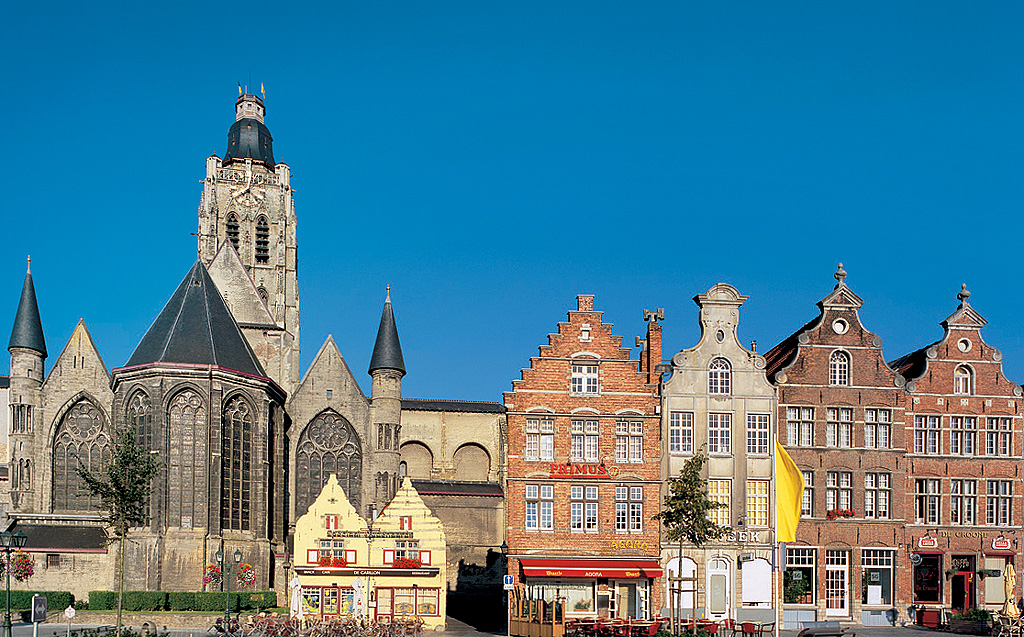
point(840, 273)
point(963, 294)
point(29, 267)
point(388, 299)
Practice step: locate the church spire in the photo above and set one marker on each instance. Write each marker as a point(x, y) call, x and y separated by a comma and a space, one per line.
point(28, 329)
point(387, 351)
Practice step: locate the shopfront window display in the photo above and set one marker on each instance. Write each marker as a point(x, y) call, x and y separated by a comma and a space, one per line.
point(928, 580)
point(798, 581)
point(578, 597)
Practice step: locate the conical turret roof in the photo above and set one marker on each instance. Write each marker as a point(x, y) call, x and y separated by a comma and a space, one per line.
point(387, 351)
point(196, 328)
point(28, 329)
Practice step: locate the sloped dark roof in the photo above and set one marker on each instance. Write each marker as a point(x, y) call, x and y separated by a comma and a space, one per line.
point(196, 328)
point(452, 487)
point(5, 382)
point(250, 138)
point(28, 329)
point(783, 354)
point(387, 351)
point(913, 365)
point(60, 536)
point(426, 404)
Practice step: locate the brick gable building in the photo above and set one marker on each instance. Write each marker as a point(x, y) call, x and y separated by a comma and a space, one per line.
point(584, 470)
point(841, 417)
point(963, 490)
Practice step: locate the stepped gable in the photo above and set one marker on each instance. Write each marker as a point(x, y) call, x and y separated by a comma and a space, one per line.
point(196, 328)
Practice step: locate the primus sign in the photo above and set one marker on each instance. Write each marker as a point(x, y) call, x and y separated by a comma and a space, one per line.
point(590, 471)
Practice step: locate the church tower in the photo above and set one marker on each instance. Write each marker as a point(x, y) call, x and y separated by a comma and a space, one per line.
point(387, 367)
point(28, 351)
point(247, 207)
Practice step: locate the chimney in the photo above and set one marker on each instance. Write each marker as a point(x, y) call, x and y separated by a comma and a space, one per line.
point(585, 303)
point(652, 353)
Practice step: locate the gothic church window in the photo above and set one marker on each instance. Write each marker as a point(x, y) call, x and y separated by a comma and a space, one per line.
point(236, 466)
point(232, 229)
point(329, 444)
point(264, 296)
point(262, 240)
point(187, 457)
point(140, 417)
point(79, 441)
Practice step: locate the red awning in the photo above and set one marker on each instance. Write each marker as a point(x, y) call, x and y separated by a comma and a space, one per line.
point(591, 568)
point(999, 552)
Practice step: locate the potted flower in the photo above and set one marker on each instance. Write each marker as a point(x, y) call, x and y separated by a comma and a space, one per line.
point(245, 574)
point(972, 621)
point(212, 574)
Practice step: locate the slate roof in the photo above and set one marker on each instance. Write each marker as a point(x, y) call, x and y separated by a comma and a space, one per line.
point(387, 351)
point(28, 329)
point(451, 487)
point(196, 328)
point(60, 536)
point(426, 404)
point(913, 365)
point(783, 354)
point(250, 138)
point(5, 382)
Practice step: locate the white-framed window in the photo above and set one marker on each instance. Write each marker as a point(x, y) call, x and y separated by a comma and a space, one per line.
point(584, 379)
point(719, 433)
point(807, 503)
point(926, 500)
point(636, 509)
point(877, 428)
point(532, 449)
point(547, 505)
point(877, 495)
point(629, 441)
point(963, 435)
point(547, 440)
point(799, 426)
point(963, 380)
point(757, 434)
point(757, 503)
point(531, 497)
point(926, 435)
point(719, 376)
point(838, 490)
point(998, 509)
point(680, 432)
point(407, 548)
point(839, 368)
point(801, 565)
point(584, 435)
point(877, 568)
point(719, 491)
point(839, 427)
point(963, 501)
point(583, 508)
point(590, 517)
point(998, 437)
point(621, 509)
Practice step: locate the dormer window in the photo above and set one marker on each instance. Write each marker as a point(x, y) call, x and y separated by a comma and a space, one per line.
point(839, 368)
point(719, 377)
point(963, 381)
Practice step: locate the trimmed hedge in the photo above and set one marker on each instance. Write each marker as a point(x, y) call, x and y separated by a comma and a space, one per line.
point(210, 601)
point(55, 600)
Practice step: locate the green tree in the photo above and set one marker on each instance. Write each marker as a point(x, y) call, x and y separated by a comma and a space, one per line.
point(123, 489)
point(687, 508)
point(686, 512)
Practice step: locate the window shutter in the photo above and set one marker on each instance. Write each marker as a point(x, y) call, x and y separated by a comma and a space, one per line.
point(405, 523)
point(389, 556)
point(425, 558)
point(332, 522)
point(350, 557)
point(312, 556)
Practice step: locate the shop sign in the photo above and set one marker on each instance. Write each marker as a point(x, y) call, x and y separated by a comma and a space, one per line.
point(744, 536)
point(962, 533)
point(371, 534)
point(589, 471)
point(1001, 543)
point(368, 572)
point(927, 542)
point(619, 545)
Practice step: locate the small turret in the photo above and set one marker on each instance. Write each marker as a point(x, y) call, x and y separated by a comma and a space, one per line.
point(28, 351)
point(387, 368)
point(28, 329)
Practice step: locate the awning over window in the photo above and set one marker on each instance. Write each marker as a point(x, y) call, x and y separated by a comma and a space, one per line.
point(591, 568)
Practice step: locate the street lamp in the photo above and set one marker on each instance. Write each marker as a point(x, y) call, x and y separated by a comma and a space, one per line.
point(508, 594)
point(7, 542)
point(225, 572)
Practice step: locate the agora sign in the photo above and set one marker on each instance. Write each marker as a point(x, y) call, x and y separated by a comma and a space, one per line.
point(590, 471)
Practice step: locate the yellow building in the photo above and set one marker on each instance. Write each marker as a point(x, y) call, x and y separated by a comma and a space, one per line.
point(392, 568)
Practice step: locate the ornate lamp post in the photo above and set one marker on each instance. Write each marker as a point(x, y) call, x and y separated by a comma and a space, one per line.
point(508, 594)
point(7, 542)
point(225, 570)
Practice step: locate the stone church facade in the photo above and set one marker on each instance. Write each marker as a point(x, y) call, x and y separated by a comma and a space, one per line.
point(214, 391)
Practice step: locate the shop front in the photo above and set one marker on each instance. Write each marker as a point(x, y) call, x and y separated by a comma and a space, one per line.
point(390, 570)
point(614, 588)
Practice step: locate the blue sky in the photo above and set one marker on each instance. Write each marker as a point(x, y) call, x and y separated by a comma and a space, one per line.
point(490, 161)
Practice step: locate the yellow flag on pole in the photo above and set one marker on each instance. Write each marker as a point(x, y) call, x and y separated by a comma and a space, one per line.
point(789, 493)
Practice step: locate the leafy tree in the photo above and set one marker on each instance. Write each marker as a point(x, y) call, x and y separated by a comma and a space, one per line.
point(123, 489)
point(686, 510)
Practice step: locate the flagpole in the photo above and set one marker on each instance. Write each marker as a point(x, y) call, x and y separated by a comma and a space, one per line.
point(776, 556)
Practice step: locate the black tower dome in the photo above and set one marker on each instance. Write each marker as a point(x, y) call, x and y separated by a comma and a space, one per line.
point(248, 137)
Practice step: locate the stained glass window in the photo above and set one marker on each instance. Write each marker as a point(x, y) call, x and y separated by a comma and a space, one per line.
point(80, 441)
point(236, 465)
point(328, 445)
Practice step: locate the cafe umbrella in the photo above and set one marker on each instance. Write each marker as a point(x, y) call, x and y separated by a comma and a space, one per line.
point(1010, 588)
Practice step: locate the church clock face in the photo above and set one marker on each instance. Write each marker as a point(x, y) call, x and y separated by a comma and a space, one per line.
point(250, 192)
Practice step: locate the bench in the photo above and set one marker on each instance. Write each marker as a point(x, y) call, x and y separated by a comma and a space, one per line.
point(824, 629)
